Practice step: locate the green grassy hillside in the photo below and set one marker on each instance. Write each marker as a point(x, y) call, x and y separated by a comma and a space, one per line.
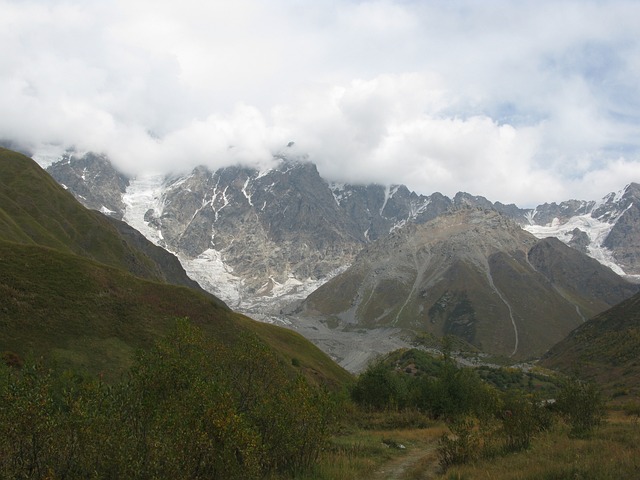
point(34, 209)
point(605, 349)
point(86, 314)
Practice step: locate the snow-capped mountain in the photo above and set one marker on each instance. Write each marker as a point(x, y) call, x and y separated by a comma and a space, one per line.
point(608, 230)
point(246, 235)
point(266, 232)
point(255, 238)
point(265, 240)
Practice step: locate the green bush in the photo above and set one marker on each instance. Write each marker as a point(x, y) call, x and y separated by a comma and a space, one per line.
point(582, 405)
point(380, 388)
point(187, 409)
point(462, 445)
point(522, 418)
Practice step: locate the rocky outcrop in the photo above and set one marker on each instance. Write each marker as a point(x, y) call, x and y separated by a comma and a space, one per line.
point(579, 240)
point(624, 238)
point(93, 181)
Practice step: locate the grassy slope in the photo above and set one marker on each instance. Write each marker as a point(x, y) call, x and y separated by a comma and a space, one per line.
point(605, 349)
point(85, 314)
point(73, 290)
point(37, 210)
point(610, 454)
point(296, 349)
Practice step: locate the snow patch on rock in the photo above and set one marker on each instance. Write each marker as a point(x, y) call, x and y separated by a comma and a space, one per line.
point(595, 229)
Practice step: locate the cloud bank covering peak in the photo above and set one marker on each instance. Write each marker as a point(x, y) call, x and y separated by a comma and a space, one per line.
point(521, 102)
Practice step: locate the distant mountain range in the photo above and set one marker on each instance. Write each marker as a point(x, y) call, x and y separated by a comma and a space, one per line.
point(264, 241)
point(607, 230)
point(176, 209)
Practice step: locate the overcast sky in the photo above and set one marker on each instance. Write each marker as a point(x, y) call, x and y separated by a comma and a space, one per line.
point(518, 101)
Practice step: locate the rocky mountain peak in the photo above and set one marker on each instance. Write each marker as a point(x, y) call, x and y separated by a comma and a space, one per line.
point(608, 230)
point(93, 180)
point(613, 205)
point(549, 212)
point(463, 198)
point(632, 190)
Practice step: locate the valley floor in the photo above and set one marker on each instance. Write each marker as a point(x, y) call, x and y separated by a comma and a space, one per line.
point(353, 348)
point(388, 453)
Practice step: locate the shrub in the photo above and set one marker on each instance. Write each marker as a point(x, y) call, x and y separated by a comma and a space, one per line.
point(582, 405)
point(187, 409)
point(12, 359)
point(380, 388)
point(632, 410)
point(462, 445)
point(522, 417)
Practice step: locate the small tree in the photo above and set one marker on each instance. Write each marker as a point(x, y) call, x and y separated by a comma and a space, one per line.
point(380, 388)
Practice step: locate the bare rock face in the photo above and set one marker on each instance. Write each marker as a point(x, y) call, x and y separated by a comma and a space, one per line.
point(548, 212)
point(268, 226)
point(624, 237)
point(93, 181)
point(377, 210)
point(579, 240)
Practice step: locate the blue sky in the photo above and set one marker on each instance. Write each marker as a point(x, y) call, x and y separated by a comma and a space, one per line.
point(519, 101)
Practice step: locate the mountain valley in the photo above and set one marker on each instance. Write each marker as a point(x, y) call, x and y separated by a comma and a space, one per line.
point(286, 246)
point(112, 320)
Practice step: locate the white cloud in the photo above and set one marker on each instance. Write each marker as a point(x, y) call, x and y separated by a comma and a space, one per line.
point(518, 101)
point(381, 131)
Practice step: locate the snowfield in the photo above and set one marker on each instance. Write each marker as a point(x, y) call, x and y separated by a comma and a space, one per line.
point(143, 194)
point(595, 229)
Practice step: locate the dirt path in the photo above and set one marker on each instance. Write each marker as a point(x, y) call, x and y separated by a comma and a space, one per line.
point(423, 457)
